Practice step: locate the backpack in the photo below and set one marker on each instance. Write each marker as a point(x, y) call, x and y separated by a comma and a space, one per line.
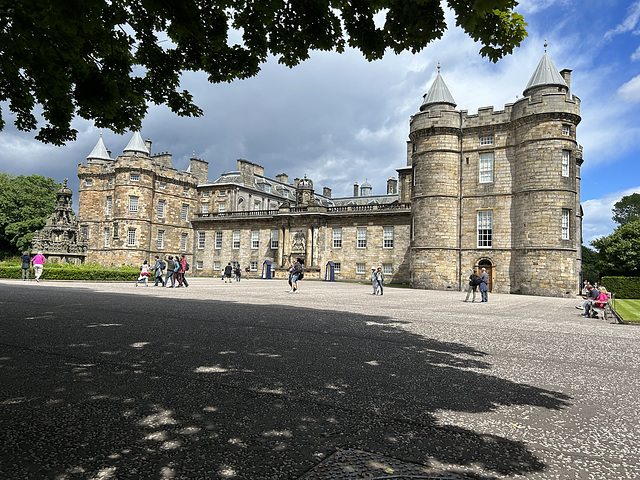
point(475, 280)
point(300, 275)
point(162, 265)
point(186, 266)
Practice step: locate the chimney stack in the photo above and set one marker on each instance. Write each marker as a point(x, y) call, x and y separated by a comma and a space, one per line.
point(355, 189)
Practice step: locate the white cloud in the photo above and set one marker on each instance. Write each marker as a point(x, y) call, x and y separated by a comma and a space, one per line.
point(629, 23)
point(630, 91)
point(635, 56)
point(597, 221)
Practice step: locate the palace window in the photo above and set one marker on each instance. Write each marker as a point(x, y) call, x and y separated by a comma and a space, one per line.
point(133, 204)
point(110, 182)
point(566, 156)
point(387, 237)
point(485, 173)
point(361, 235)
point(387, 268)
point(199, 265)
point(183, 242)
point(88, 182)
point(216, 265)
point(253, 266)
point(131, 237)
point(255, 239)
point(204, 208)
point(201, 239)
point(275, 239)
point(205, 193)
point(218, 244)
point(109, 205)
point(222, 208)
point(337, 238)
point(485, 228)
point(566, 130)
point(134, 177)
point(236, 239)
point(185, 190)
point(184, 215)
point(163, 184)
point(84, 231)
point(160, 239)
point(336, 267)
point(486, 141)
point(565, 224)
point(161, 206)
point(361, 268)
point(107, 236)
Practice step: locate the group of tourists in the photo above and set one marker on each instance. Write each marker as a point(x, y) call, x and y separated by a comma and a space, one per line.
point(231, 272)
point(377, 280)
point(594, 296)
point(37, 261)
point(478, 282)
point(173, 270)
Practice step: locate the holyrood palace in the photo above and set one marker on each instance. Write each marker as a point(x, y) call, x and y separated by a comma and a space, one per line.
point(499, 189)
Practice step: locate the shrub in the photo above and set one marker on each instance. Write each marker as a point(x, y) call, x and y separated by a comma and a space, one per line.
point(54, 271)
point(623, 287)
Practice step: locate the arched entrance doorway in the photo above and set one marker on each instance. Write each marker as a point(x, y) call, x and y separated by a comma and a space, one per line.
point(486, 263)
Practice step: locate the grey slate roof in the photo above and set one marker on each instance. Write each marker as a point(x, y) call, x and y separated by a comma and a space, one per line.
point(546, 74)
point(99, 152)
point(438, 94)
point(136, 145)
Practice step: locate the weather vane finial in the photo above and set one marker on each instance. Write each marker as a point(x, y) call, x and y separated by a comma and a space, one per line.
point(545, 45)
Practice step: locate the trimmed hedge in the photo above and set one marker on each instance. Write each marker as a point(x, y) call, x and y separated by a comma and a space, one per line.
point(623, 287)
point(54, 271)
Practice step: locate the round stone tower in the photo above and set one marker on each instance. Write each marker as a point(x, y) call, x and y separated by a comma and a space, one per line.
point(435, 137)
point(545, 212)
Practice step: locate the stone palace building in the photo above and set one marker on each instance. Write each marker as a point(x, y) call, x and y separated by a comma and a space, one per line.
point(498, 189)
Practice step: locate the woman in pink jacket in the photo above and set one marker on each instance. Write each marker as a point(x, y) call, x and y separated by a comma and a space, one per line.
point(38, 265)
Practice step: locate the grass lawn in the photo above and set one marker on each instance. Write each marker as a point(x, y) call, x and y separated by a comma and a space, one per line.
point(629, 310)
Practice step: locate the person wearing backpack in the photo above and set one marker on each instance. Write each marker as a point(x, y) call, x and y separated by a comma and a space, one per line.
point(158, 268)
point(297, 274)
point(380, 280)
point(183, 268)
point(474, 281)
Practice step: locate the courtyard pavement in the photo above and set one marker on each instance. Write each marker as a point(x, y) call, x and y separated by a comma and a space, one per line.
point(244, 381)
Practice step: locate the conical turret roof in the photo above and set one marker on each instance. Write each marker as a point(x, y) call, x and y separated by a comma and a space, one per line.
point(438, 94)
point(99, 152)
point(545, 75)
point(136, 145)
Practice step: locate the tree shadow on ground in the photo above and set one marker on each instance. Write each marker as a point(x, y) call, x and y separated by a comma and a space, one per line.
point(112, 386)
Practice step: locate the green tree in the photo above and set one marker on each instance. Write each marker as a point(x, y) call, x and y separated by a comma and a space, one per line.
point(106, 60)
point(25, 204)
point(627, 209)
point(620, 251)
point(590, 264)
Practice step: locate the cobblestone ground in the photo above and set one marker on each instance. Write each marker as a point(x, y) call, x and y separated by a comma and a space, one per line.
point(245, 381)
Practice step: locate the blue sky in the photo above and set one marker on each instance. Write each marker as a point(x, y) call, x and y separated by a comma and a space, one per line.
point(340, 119)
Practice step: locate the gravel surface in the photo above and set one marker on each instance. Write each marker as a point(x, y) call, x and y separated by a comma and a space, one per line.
point(244, 381)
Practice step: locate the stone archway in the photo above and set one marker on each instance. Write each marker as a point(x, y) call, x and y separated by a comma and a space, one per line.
point(489, 266)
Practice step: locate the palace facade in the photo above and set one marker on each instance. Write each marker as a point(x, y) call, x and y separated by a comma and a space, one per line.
point(499, 189)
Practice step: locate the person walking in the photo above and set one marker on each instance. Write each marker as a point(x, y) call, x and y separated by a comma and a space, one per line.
point(158, 268)
point(484, 286)
point(145, 272)
point(26, 265)
point(380, 280)
point(238, 273)
point(227, 273)
point(298, 273)
point(38, 265)
point(176, 271)
point(474, 281)
point(169, 275)
point(183, 269)
point(374, 282)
